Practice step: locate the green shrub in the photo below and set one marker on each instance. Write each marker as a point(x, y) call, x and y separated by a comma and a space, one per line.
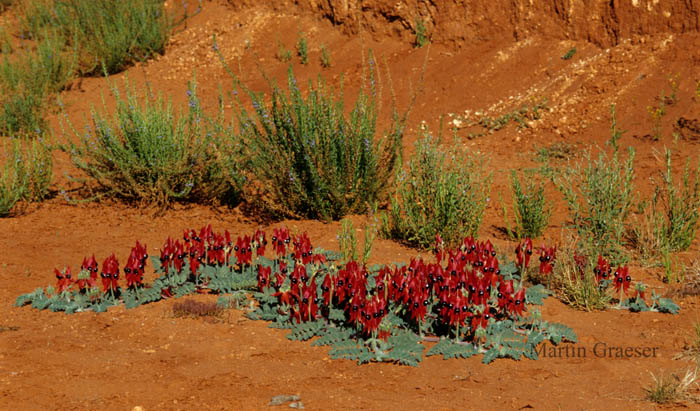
point(437, 196)
point(26, 174)
point(283, 54)
point(530, 208)
point(599, 194)
point(144, 154)
point(680, 207)
point(27, 79)
point(310, 159)
point(303, 50)
point(109, 35)
point(325, 57)
point(421, 34)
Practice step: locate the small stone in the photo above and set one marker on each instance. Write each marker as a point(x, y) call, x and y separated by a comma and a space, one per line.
point(281, 399)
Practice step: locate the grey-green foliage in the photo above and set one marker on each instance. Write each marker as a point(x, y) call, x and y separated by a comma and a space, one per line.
point(303, 50)
point(109, 35)
point(530, 209)
point(27, 78)
point(599, 193)
point(144, 154)
point(443, 192)
point(311, 159)
point(26, 174)
point(680, 207)
point(421, 34)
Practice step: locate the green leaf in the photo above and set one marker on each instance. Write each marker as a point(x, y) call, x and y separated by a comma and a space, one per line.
point(450, 348)
point(333, 336)
point(307, 330)
point(536, 294)
point(406, 349)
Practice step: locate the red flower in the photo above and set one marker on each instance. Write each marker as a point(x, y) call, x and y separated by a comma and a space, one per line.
point(302, 249)
point(206, 233)
point(480, 320)
point(88, 273)
point(480, 290)
point(132, 271)
point(326, 290)
point(263, 277)
point(217, 250)
point(308, 303)
point(110, 273)
point(372, 314)
point(505, 294)
point(602, 270)
point(64, 279)
point(243, 250)
point(517, 303)
point(523, 253)
point(196, 253)
point(280, 240)
point(178, 259)
point(547, 257)
point(468, 248)
point(622, 279)
point(259, 242)
point(419, 304)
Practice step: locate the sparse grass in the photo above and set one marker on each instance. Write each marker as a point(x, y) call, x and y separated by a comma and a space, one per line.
point(559, 150)
point(574, 280)
point(196, 309)
point(27, 78)
point(26, 174)
point(669, 219)
point(671, 389)
point(681, 207)
point(325, 57)
point(108, 35)
point(569, 54)
point(421, 34)
point(656, 115)
point(438, 194)
point(691, 350)
point(303, 49)
point(143, 154)
point(673, 83)
point(643, 234)
point(283, 54)
point(520, 116)
point(530, 209)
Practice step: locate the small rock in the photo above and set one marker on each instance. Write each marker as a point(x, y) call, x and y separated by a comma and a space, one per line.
point(297, 404)
point(281, 399)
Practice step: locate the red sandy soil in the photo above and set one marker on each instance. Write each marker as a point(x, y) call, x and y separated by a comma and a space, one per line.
point(483, 58)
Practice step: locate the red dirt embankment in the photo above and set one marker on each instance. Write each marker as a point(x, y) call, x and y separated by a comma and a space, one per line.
point(601, 22)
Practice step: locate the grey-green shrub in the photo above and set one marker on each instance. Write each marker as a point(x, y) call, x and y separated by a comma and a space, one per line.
point(680, 205)
point(26, 174)
point(109, 35)
point(599, 194)
point(438, 194)
point(530, 209)
point(27, 79)
point(311, 159)
point(144, 154)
